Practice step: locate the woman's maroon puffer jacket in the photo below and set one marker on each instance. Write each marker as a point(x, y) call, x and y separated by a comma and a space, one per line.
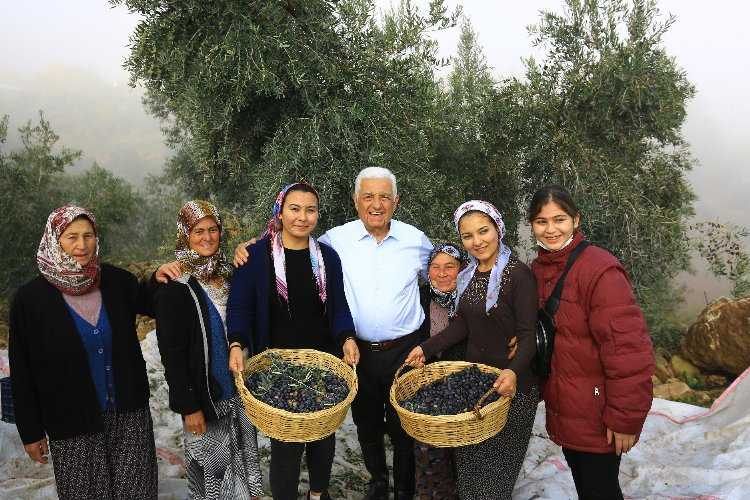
point(603, 359)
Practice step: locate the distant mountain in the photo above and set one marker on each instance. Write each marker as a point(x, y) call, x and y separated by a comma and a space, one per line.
point(105, 120)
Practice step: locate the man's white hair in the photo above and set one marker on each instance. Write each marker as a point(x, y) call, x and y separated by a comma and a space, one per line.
point(374, 173)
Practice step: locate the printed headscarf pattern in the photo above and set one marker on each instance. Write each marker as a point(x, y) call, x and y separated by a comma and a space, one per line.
point(59, 268)
point(464, 277)
point(447, 300)
point(203, 268)
point(273, 232)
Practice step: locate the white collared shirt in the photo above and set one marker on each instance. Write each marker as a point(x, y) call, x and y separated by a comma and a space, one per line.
point(381, 279)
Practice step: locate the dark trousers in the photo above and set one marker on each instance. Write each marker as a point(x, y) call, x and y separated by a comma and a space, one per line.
point(374, 416)
point(285, 464)
point(596, 475)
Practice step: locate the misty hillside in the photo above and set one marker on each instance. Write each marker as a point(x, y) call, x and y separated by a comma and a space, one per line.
point(105, 120)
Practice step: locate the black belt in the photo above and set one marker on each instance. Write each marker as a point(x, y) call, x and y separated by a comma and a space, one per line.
point(386, 344)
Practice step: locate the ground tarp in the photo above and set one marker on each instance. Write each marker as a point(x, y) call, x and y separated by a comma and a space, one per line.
point(685, 452)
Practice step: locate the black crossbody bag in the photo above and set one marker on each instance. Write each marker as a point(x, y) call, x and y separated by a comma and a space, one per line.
point(545, 323)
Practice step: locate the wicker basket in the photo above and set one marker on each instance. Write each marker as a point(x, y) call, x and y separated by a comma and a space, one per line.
point(296, 427)
point(447, 430)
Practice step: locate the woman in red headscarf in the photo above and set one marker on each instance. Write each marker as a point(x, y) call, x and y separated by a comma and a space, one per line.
point(80, 390)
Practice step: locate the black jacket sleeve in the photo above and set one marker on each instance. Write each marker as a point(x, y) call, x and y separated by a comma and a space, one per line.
point(456, 331)
point(26, 402)
point(147, 289)
point(242, 306)
point(174, 313)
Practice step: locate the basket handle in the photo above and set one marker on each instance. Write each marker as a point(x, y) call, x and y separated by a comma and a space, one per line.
point(398, 373)
point(478, 406)
point(238, 381)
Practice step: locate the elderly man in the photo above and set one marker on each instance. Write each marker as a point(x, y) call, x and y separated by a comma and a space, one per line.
point(381, 259)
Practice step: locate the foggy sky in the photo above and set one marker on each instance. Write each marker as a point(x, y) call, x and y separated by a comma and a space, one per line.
point(710, 41)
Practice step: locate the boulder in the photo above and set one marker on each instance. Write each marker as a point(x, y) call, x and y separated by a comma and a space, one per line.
point(672, 390)
point(719, 340)
point(683, 368)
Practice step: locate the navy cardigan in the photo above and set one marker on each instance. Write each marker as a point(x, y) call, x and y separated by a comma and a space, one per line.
point(249, 311)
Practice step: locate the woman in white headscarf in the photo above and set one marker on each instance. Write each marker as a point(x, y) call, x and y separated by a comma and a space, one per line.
point(496, 301)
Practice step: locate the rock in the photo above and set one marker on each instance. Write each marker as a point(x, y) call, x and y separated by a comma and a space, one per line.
point(713, 381)
point(720, 338)
point(683, 368)
point(702, 398)
point(663, 369)
point(143, 325)
point(672, 390)
point(655, 380)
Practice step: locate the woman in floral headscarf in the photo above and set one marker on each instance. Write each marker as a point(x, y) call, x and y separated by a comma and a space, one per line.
point(221, 448)
point(291, 295)
point(495, 300)
point(78, 375)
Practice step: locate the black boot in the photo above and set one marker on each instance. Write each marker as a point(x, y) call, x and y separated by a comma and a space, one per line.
point(377, 490)
point(323, 496)
point(373, 455)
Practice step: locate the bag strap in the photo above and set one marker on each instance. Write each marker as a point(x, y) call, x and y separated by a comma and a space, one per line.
point(553, 302)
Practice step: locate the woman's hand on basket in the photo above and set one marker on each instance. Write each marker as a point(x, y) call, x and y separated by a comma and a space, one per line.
point(241, 254)
point(351, 352)
point(236, 358)
point(38, 451)
point(415, 358)
point(168, 271)
point(505, 385)
point(195, 423)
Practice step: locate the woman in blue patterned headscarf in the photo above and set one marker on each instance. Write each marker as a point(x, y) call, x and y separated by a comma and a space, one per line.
point(495, 301)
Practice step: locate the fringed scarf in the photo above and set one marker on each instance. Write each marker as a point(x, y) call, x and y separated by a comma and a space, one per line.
point(273, 232)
